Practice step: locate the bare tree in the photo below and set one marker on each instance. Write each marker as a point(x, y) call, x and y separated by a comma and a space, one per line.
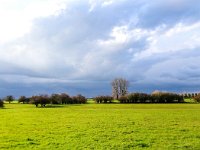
point(115, 88)
point(119, 87)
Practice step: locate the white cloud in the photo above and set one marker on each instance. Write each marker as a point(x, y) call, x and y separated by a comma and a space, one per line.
point(17, 16)
point(178, 38)
point(57, 41)
point(101, 3)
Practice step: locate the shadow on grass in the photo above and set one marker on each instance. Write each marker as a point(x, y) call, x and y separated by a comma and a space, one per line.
point(51, 106)
point(5, 108)
point(60, 106)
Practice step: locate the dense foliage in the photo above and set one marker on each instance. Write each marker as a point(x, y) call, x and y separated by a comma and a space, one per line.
point(103, 99)
point(63, 98)
point(42, 100)
point(1, 103)
point(23, 99)
point(155, 97)
point(60, 99)
point(197, 98)
point(79, 99)
point(9, 98)
point(189, 95)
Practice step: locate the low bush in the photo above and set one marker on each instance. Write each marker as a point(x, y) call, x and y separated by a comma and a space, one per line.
point(9, 98)
point(123, 99)
point(1, 103)
point(197, 98)
point(23, 99)
point(103, 99)
point(165, 97)
point(79, 99)
point(55, 99)
point(155, 97)
point(42, 100)
point(138, 98)
point(63, 98)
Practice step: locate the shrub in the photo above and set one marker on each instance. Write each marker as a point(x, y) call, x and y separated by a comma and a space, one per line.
point(55, 99)
point(79, 99)
point(9, 98)
point(132, 98)
point(98, 99)
point(60, 99)
point(103, 99)
point(1, 103)
point(143, 98)
point(42, 100)
point(138, 98)
point(166, 97)
point(155, 97)
point(197, 98)
point(65, 99)
point(123, 99)
point(23, 99)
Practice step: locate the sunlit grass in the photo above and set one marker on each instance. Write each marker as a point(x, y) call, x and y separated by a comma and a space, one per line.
point(100, 126)
point(189, 100)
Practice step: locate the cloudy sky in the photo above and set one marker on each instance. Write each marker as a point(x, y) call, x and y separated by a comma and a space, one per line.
point(79, 46)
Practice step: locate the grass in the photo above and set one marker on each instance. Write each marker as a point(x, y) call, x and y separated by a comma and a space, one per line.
point(190, 100)
point(100, 126)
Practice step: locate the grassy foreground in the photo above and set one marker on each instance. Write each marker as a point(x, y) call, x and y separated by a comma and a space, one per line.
point(100, 126)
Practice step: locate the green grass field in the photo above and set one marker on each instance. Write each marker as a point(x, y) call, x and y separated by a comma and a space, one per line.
point(100, 126)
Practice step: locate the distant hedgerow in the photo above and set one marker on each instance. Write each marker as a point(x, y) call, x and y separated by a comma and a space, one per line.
point(197, 98)
point(23, 99)
point(60, 99)
point(40, 100)
point(103, 99)
point(123, 99)
point(9, 98)
point(79, 99)
point(43, 100)
point(155, 97)
point(1, 103)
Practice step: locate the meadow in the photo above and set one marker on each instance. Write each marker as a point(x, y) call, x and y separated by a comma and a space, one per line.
point(100, 126)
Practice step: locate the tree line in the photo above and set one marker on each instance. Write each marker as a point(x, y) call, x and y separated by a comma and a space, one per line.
point(63, 98)
point(9, 99)
point(43, 100)
point(1, 103)
point(155, 97)
point(190, 95)
point(119, 92)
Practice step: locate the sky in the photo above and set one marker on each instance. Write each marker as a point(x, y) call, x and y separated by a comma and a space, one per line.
point(80, 46)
